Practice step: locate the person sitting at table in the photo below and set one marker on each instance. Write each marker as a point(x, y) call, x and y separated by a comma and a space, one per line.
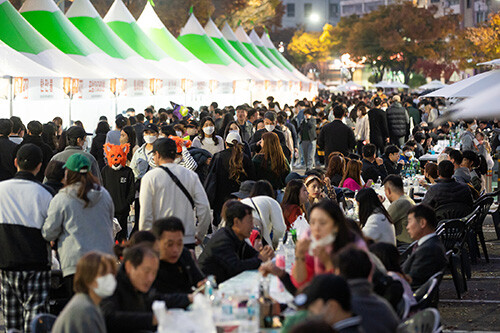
point(471, 161)
point(352, 176)
point(430, 174)
point(374, 219)
point(428, 255)
point(406, 155)
point(373, 166)
point(400, 205)
point(227, 253)
point(178, 272)
point(448, 191)
point(391, 160)
point(461, 174)
point(129, 308)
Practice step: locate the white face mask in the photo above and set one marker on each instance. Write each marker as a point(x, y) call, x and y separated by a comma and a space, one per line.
point(327, 240)
point(269, 128)
point(150, 138)
point(86, 145)
point(106, 285)
point(288, 113)
point(178, 133)
point(208, 130)
point(409, 154)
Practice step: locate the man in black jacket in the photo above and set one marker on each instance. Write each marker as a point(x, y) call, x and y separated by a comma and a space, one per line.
point(336, 136)
point(35, 137)
point(227, 254)
point(178, 272)
point(129, 309)
point(307, 132)
point(379, 134)
point(373, 166)
point(270, 126)
point(7, 151)
point(428, 255)
point(397, 121)
point(390, 159)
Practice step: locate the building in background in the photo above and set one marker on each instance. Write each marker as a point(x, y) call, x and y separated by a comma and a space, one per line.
point(473, 12)
point(310, 14)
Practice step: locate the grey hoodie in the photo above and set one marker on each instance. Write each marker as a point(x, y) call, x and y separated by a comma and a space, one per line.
point(462, 175)
point(79, 229)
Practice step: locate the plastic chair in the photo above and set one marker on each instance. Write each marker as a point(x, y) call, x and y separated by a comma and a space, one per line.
point(452, 211)
point(483, 206)
point(427, 295)
point(426, 321)
point(43, 323)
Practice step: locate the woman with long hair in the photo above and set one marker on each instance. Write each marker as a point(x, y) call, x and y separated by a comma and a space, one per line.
point(271, 164)
point(376, 223)
point(233, 127)
point(336, 169)
point(49, 135)
point(352, 176)
point(228, 169)
point(207, 139)
point(94, 281)
point(294, 201)
point(97, 147)
point(80, 217)
point(127, 135)
point(362, 129)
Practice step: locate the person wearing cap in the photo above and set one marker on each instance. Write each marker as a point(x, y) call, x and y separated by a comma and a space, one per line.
point(228, 169)
point(113, 136)
point(142, 160)
point(256, 143)
point(24, 260)
point(76, 138)
point(80, 218)
point(227, 254)
point(192, 129)
point(397, 121)
point(328, 297)
point(160, 195)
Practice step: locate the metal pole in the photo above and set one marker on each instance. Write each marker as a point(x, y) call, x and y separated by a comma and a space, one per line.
point(11, 96)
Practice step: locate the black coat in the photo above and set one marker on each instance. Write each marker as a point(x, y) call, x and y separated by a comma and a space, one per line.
point(391, 167)
point(179, 277)
point(446, 192)
point(373, 171)
point(397, 120)
point(378, 127)
point(336, 136)
point(225, 256)
point(139, 133)
point(308, 127)
point(257, 136)
point(218, 185)
point(129, 310)
point(427, 260)
point(97, 149)
point(121, 186)
point(47, 152)
point(7, 155)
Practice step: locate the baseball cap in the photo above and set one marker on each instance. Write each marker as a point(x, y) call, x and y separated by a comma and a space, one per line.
point(151, 128)
point(232, 136)
point(396, 98)
point(326, 287)
point(77, 163)
point(165, 146)
point(75, 132)
point(245, 189)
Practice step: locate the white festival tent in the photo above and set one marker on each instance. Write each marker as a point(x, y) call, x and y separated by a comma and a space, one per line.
point(495, 62)
point(470, 86)
point(485, 105)
point(435, 84)
point(391, 85)
point(349, 86)
point(15, 64)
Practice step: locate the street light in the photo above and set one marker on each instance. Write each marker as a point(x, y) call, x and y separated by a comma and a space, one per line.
point(314, 18)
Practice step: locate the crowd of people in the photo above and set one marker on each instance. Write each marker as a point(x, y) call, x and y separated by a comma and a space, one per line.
point(216, 192)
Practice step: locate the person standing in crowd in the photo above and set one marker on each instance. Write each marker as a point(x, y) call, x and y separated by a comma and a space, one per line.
point(18, 130)
point(362, 130)
point(49, 135)
point(336, 169)
point(373, 166)
point(256, 142)
point(113, 137)
point(468, 136)
point(34, 136)
point(391, 160)
point(139, 129)
point(80, 218)
point(428, 255)
point(172, 190)
point(142, 160)
point(24, 263)
point(289, 136)
point(7, 148)
point(97, 147)
point(234, 128)
point(127, 136)
point(400, 205)
point(336, 136)
point(243, 123)
point(94, 280)
point(294, 201)
point(207, 139)
point(352, 177)
point(271, 163)
point(178, 272)
point(374, 219)
point(227, 253)
point(228, 169)
point(413, 112)
point(307, 134)
point(77, 137)
point(379, 132)
point(397, 121)
point(55, 176)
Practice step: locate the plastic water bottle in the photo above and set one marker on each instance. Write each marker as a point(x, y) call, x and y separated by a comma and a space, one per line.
point(210, 285)
point(289, 252)
point(280, 261)
point(253, 315)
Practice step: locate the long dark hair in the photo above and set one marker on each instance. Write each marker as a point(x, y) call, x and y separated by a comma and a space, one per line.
point(236, 169)
point(131, 139)
point(87, 182)
point(292, 194)
point(262, 187)
point(369, 204)
point(202, 133)
point(388, 255)
point(333, 210)
point(336, 166)
point(353, 170)
point(49, 135)
point(273, 156)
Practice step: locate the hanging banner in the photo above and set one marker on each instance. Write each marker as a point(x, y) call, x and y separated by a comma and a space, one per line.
point(201, 88)
point(169, 88)
point(259, 85)
point(133, 88)
point(38, 88)
point(225, 88)
point(4, 88)
point(242, 85)
point(91, 89)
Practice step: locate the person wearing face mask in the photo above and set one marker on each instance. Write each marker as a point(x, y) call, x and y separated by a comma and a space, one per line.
point(233, 127)
point(80, 218)
point(269, 126)
point(94, 281)
point(468, 136)
point(207, 139)
point(142, 160)
point(192, 129)
point(76, 137)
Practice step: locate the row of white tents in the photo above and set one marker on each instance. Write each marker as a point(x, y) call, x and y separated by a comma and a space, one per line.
point(79, 66)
